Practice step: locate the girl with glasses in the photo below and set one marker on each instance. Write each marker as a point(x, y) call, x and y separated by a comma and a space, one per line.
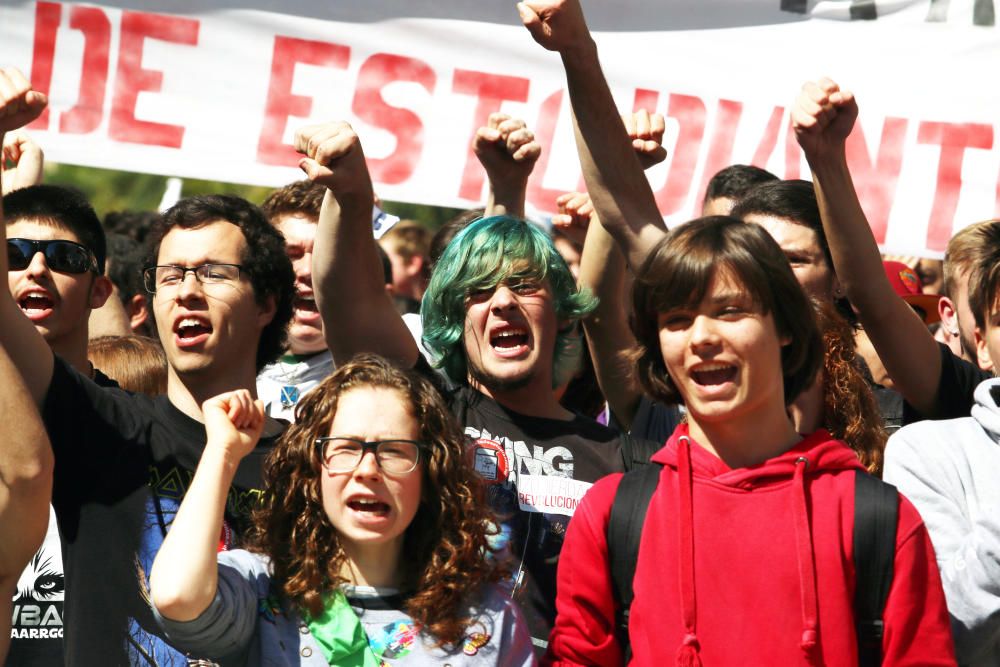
point(370, 543)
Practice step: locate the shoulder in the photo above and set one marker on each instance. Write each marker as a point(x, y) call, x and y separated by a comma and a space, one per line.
point(931, 439)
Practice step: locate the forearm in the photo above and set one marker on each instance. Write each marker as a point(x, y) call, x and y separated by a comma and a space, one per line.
point(506, 199)
point(902, 341)
point(602, 271)
point(26, 465)
point(615, 179)
point(358, 315)
point(184, 576)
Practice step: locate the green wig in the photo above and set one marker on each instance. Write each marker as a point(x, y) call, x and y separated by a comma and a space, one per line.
point(481, 256)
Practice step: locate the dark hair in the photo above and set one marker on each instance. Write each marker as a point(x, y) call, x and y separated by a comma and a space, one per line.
point(794, 201)
point(446, 232)
point(445, 547)
point(58, 206)
point(984, 275)
point(678, 272)
point(264, 259)
point(133, 224)
point(966, 249)
point(136, 363)
point(735, 180)
point(304, 197)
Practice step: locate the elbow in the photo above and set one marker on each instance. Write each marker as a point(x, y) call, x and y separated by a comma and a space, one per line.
point(177, 602)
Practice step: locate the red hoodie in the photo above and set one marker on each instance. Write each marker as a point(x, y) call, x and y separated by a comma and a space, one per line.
point(771, 581)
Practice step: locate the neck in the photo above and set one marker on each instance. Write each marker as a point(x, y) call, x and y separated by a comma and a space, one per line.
point(73, 350)
point(535, 399)
point(748, 441)
point(373, 565)
point(188, 391)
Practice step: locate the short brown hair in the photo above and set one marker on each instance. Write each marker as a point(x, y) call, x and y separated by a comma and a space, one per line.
point(136, 363)
point(408, 239)
point(966, 249)
point(984, 275)
point(678, 272)
point(303, 197)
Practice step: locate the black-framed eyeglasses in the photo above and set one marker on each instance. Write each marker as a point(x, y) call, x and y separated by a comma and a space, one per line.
point(169, 276)
point(61, 256)
point(342, 454)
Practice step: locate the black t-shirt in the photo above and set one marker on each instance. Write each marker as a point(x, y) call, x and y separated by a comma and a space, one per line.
point(36, 635)
point(537, 470)
point(956, 388)
point(123, 464)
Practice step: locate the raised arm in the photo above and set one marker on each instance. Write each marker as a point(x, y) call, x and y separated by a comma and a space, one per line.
point(184, 577)
point(508, 151)
point(26, 464)
point(27, 158)
point(823, 117)
point(358, 314)
point(621, 194)
point(603, 271)
point(19, 105)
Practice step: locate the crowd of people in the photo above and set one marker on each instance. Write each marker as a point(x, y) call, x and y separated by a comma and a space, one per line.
point(242, 435)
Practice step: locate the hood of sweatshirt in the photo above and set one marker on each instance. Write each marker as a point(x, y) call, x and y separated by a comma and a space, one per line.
point(813, 455)
point(986, 409)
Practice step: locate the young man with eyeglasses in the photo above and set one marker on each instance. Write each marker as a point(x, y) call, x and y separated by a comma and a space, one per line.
point(124, 461)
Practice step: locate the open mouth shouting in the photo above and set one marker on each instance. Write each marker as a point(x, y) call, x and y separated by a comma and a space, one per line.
point(37, 304)
point(509, 341)
point(713, 374)
point(305, 308)
point(368, 510)
point(191, 331)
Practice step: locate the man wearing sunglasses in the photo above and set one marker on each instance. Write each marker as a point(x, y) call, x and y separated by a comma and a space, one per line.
point(222, 292)
point(55, 272)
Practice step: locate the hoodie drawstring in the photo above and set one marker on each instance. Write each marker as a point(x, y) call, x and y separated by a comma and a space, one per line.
point(687, 653)
point(806, 559)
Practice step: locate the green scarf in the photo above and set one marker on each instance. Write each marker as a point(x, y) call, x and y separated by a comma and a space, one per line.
point(339, 634)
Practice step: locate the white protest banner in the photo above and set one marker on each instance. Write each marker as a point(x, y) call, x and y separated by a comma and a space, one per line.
point(215, 90)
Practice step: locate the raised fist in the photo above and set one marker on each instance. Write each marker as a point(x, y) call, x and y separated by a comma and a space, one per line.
point(334, 158)
point(19, 104)
point(646, 133)
point(233, 422)
point(823, 116)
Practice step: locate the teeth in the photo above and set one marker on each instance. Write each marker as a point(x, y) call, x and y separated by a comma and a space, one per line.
point(190, 322)
point(367, 502)
point(507, 333)
point(708, 368)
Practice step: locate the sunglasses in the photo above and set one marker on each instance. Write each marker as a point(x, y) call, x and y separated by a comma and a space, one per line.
point(62, 256)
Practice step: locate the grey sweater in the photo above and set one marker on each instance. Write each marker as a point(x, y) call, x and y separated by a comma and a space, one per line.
point(246, 625)
point(951, 471)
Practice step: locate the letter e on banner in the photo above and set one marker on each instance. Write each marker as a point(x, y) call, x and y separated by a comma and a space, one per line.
point(281, 103)
point(369, 105)
point(132, 79)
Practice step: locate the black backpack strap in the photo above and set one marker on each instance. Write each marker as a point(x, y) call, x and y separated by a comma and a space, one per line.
point(628, 512)
point(636, 452)
point(876, 511)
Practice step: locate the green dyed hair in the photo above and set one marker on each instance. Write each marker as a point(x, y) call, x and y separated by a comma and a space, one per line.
point(483, 255)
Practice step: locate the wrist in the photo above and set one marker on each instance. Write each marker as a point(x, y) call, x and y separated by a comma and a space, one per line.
point(583, 53)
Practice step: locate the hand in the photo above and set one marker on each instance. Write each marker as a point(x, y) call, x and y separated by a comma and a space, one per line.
point(646, 133)
point(28, 161)
point(334, 158)
point(558, 25)
point(233, 422)
point(507, 150)
point(19, 104)
point(823, 116)
point(575, 213)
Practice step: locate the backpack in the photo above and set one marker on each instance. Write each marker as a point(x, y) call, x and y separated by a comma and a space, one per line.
point(876, 508)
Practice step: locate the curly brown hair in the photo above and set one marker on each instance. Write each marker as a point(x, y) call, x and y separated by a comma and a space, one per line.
point(850, 412)
point(445, 547)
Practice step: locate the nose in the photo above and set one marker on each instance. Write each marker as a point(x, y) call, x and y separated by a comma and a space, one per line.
point(503, 298)
point(368, 465)
point(190, 286)
point(303, 269)
point(37, 265)
point(703, 333)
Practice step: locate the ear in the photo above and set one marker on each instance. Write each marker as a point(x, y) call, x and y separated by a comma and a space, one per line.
point(100, 290)
point(138, 311)
point(267, 311)
point(949, 316)
point(838, 289)
point(415, 266)
point(982, 351)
